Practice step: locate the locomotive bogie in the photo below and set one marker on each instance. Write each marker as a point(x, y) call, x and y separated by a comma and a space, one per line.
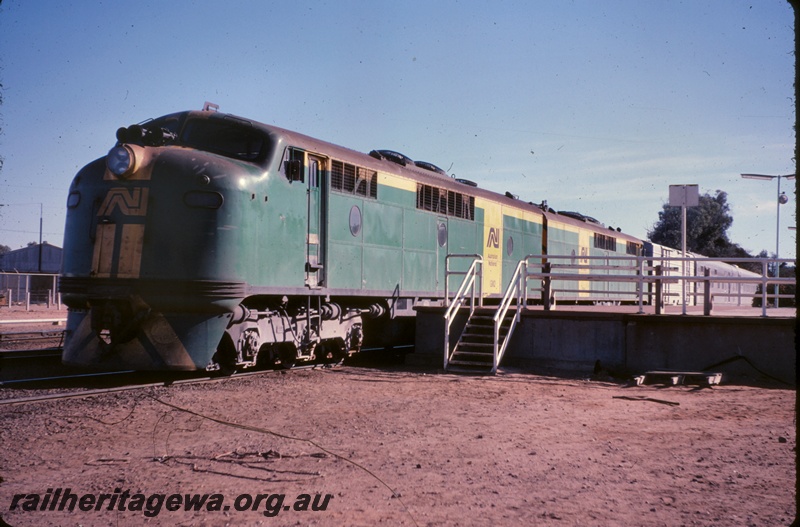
point(287, 335)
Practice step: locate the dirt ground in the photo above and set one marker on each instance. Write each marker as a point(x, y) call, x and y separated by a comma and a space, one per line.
point(404, 446)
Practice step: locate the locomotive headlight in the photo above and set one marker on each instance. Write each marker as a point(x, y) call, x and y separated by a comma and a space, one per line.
point(121, 161)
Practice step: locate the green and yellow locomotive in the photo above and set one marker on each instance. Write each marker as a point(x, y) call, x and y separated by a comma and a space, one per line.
point(204, 240)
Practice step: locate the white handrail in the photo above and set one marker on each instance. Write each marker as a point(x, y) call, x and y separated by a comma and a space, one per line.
point(516, 288)
point(448, 273)
point(471, 280)
point(572, 268)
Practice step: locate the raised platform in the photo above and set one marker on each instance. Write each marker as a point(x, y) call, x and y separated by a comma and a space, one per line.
point(632, 344)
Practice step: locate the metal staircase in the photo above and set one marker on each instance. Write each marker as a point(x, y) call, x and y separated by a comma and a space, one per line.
point(484, 340)
point(474, 351)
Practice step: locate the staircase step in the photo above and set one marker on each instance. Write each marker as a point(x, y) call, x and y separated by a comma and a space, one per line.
point(484, 345)
point(486, 359)
point(474, 351)
point(487, 353)
point(484, 340)
point(487, 329)
point(483, 371)
point(470, 363)
point(489, 332)
point(477, 336)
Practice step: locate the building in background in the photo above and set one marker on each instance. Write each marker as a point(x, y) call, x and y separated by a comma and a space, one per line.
point(33, 269)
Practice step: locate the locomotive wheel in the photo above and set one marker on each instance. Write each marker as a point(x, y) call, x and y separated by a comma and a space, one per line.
point(266, 357)
point(323, 353)
point(288, 355)
point(225, 355)
point(337, 349)
point(330, 351)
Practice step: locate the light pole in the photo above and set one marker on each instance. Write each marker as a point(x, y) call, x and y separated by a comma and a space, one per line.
point(782, 199)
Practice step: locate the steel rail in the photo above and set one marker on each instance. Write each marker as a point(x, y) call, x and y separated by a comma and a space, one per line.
point(53, 351)
point(116, 389)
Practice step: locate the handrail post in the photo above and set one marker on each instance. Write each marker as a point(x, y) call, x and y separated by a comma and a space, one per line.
point(447, 281)
point(764, 274)
point(659, 289)
point(446, 343)
point(496, 339)
point(640, 271)
point(546, 283)
point(707, 293)
point(525, 284)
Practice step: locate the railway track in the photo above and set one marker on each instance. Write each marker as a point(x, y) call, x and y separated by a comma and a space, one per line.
point(122, 381)
point(31, 374)
point(17, 341)
point(30, 354)
point(27, 354)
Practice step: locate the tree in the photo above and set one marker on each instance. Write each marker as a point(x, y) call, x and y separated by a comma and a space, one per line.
point(706, 228)
point(4, 249)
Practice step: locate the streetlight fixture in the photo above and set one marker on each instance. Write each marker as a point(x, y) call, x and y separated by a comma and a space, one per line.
point(782, 199)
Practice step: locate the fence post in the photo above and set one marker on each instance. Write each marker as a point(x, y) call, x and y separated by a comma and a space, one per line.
point(659, 290)
point(546, 282)
point(764, 287)
point(707, 293)
point(640, 283)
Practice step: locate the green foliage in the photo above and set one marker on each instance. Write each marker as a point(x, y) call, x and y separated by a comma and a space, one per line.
point(706, 228)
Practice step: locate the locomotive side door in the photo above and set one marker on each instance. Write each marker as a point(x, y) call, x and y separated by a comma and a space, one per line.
point(315, 236)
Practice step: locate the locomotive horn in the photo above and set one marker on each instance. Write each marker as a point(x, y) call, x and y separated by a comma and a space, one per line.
point(132, 134)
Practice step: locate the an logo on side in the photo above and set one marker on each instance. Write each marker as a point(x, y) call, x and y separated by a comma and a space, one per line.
point(493, 240)
point(131, 202)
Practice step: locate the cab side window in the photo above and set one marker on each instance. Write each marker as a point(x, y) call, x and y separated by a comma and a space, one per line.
point(292, 165)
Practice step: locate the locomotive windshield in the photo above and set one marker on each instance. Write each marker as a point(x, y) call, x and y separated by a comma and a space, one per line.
point(227, 138)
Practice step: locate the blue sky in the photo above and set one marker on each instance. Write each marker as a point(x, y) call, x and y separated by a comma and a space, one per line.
point(593, 106)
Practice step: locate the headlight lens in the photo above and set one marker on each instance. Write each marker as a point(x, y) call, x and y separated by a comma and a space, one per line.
point(120, 160)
